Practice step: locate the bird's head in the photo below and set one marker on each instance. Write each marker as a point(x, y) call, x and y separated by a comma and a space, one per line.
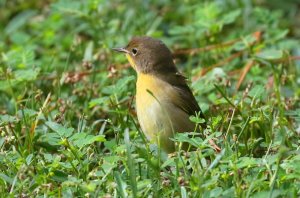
point(148, 55)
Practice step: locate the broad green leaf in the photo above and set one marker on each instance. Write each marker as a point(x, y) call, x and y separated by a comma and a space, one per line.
point(6, 178)
point(144, 184)
point(6, 86)
point(183, 137)
point(51, 138)
point(257, 91)
point(247, 162)
point(244, 43)
point(216, 120)
point(26, 75)
point(20, 38)
point(59, 129)
point(254, 119)
point(88, 187)
point(27, 113)
point(98, 101)
point(281, 34)
point(83, 139)
point(4, 119)
point(121, 184)
point(119, 87)
point(19, 58)
point(48, 157)
point(111, 159)
point(264, 194)
point(19, 20)
point(29, 159)
point(71, 7)
point(231, 16)
point(59, 176)
point(216, 192)
point(2, 141)
point(177, 30)
point(197, 120)
point(294, 114)
point(270, 54)
point(183, 192)
point(88, 53)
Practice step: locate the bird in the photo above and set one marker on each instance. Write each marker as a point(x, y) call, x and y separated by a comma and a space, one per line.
point(164, 101)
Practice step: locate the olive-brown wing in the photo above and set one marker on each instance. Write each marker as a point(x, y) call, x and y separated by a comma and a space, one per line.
point(187, 101)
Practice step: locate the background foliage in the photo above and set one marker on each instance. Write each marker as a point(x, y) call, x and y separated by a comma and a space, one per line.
point(67, 122)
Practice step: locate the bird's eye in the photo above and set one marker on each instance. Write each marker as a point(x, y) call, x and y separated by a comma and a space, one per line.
point(134, 51)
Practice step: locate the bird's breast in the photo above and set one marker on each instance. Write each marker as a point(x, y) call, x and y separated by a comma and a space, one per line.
point(150, 104)
point(156, 111)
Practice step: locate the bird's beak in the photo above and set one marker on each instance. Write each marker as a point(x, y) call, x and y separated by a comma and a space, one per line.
point(121, 49)
point(127, 53)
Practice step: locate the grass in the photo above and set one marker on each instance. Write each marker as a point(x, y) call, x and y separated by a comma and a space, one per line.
point(68, 124)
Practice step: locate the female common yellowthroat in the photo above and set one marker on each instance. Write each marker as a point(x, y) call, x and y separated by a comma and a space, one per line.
point(164, 102)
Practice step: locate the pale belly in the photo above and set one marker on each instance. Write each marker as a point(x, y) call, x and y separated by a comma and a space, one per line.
point(159, 118)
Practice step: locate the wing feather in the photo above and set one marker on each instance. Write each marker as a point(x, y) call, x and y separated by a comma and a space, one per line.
point(186, 100)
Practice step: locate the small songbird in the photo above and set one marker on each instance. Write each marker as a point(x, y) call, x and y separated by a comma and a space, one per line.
point(164, 102)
